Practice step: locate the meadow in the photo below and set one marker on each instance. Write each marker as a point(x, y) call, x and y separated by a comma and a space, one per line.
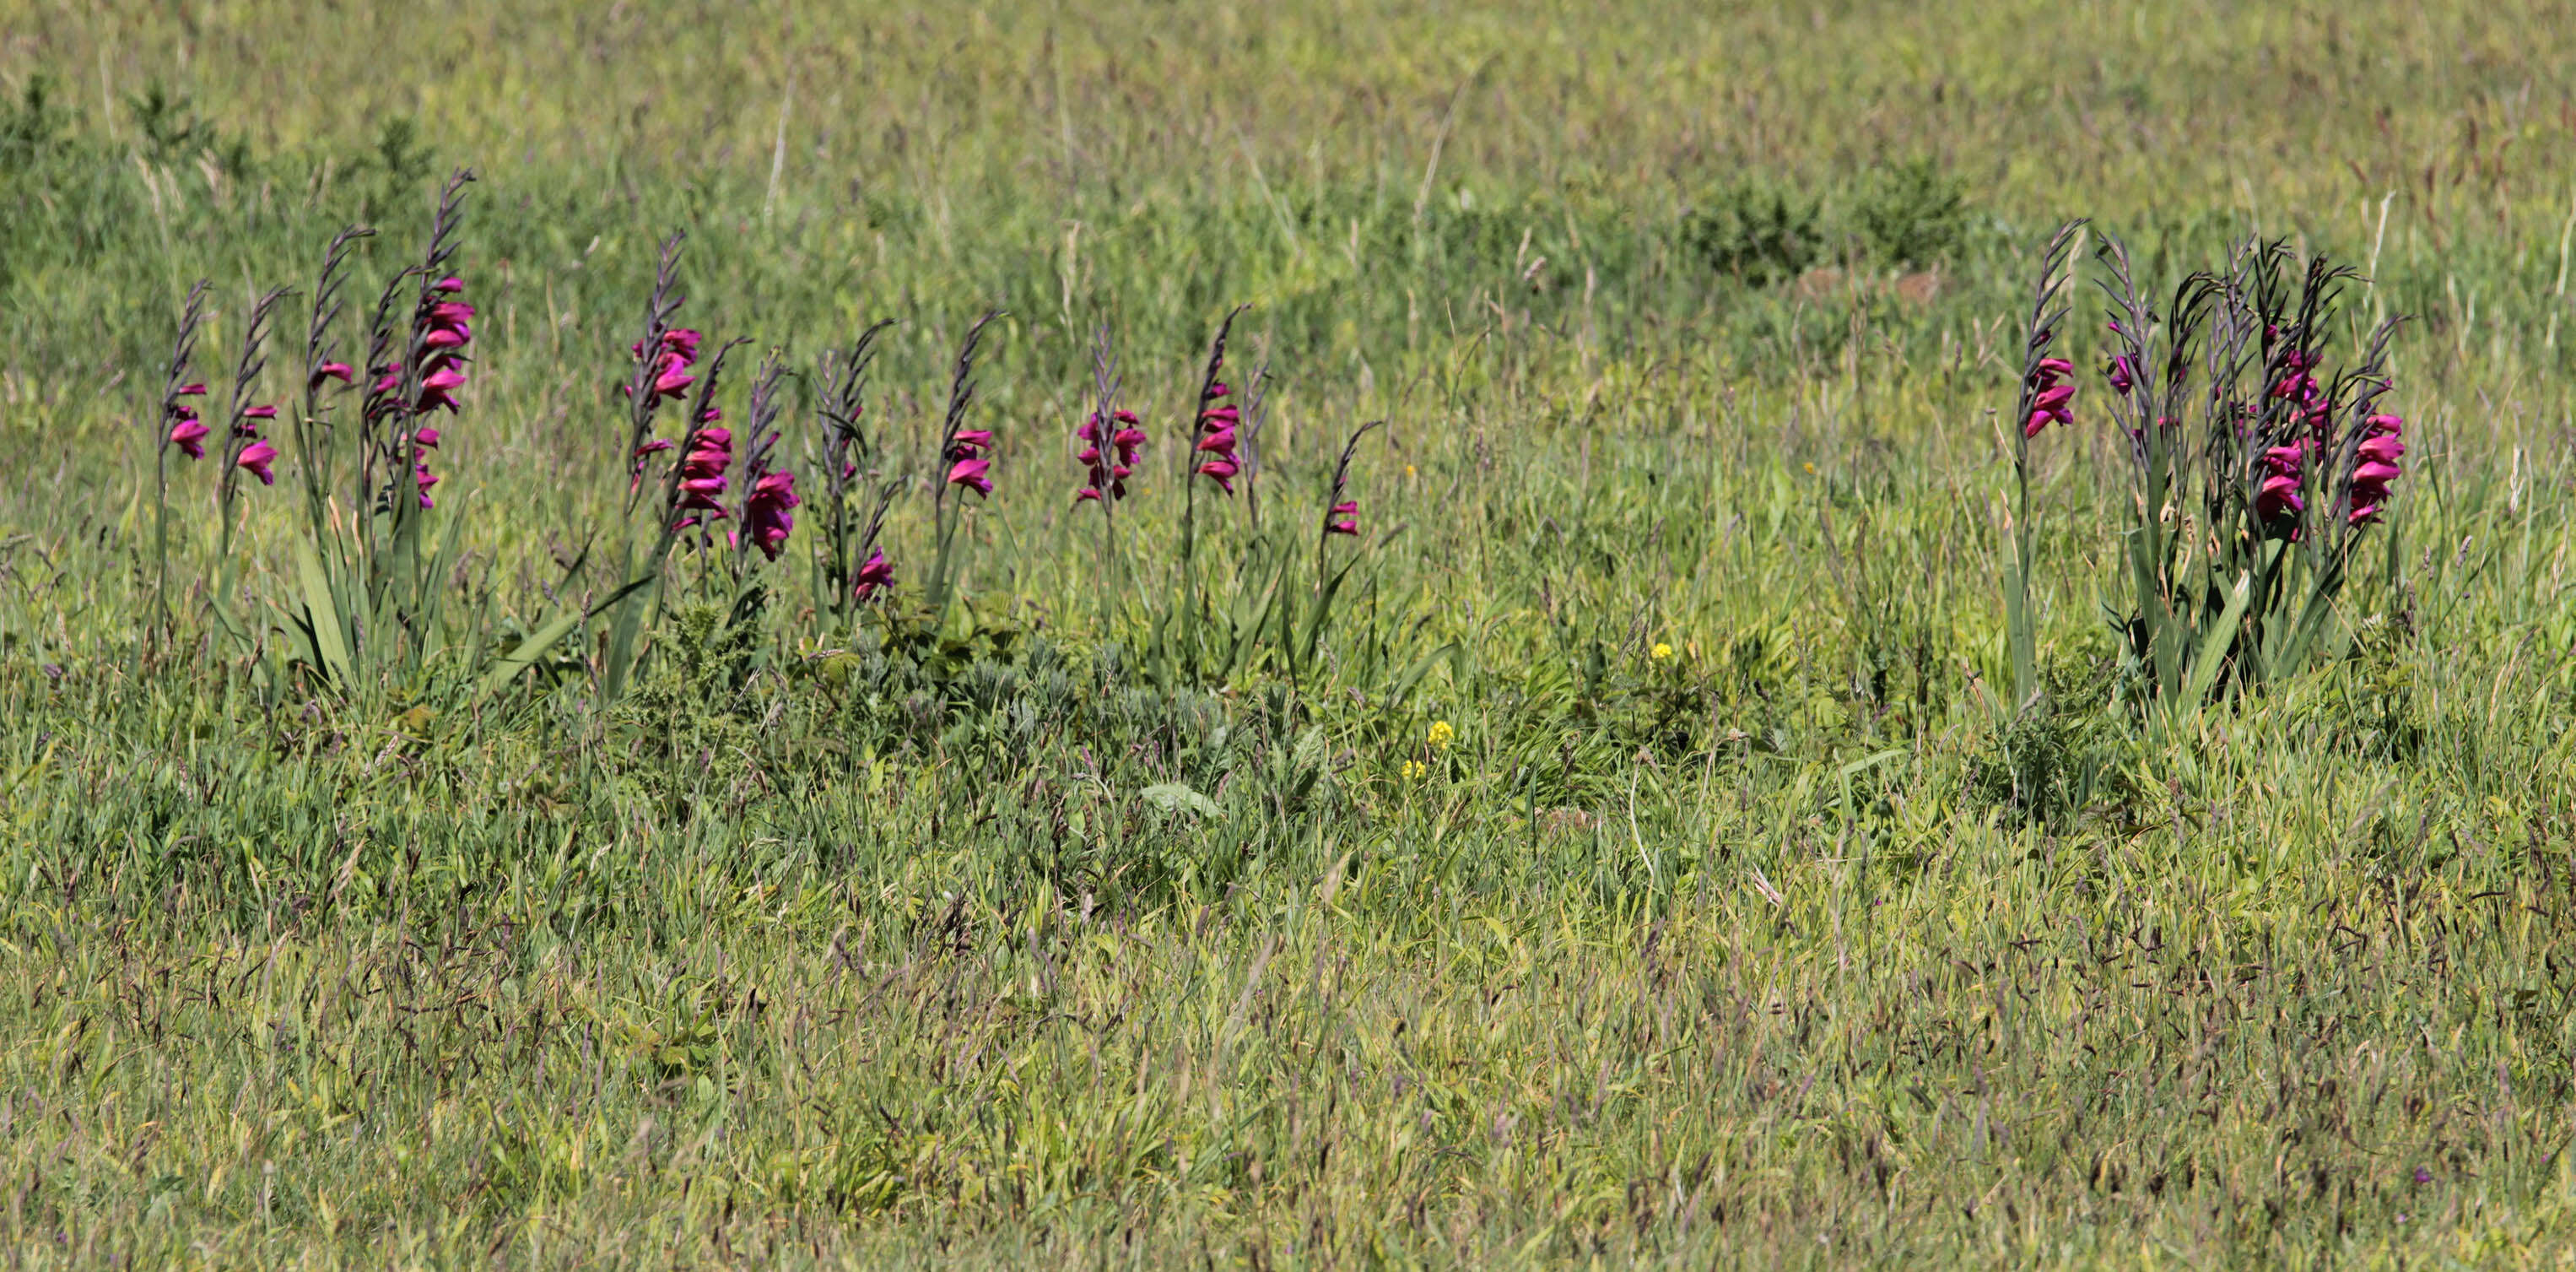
point(1635, 758)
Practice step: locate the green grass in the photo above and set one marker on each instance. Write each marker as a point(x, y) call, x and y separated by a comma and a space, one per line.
point(1033, 938)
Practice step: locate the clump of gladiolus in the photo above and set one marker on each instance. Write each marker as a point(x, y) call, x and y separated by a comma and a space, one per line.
point(2238, 537)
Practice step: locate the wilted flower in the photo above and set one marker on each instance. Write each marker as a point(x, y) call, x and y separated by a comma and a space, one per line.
point(873, 575)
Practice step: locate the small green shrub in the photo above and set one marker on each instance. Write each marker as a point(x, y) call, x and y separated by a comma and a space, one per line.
point(1759, 234)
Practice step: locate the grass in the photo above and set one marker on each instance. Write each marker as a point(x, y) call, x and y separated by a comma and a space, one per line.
point(1029, 932)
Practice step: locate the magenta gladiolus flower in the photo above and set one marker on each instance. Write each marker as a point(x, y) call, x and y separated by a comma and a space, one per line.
point(426, 437)
point(2051, 401)
point(190, 390)
point(973, 439)
point(2279, 494)
point(874, 575)
point(340, 371)
point(973, 474)
point(767, 515)
point(189, 434)
point(1344, 518)
point(2384, 449)
point(438, 387)
point(256, 458)
point(450, 284)
point(424, 479)
point(1222, 472)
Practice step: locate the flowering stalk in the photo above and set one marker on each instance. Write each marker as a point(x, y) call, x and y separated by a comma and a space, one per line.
point(875, 575)
point(176, 427)
point(245, 450)
point(769, 500)
point(1109, 441)
point(847, 452)
point(1213, 436)
point(416, 363)
point(2044, 400)
point(1341, 518)
point(961, 459)
point(312, 429)
point(2239, 545)
point(1256, 412)
point(687, 494)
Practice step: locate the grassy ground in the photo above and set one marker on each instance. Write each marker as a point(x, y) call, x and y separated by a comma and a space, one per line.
point(1485, 935)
